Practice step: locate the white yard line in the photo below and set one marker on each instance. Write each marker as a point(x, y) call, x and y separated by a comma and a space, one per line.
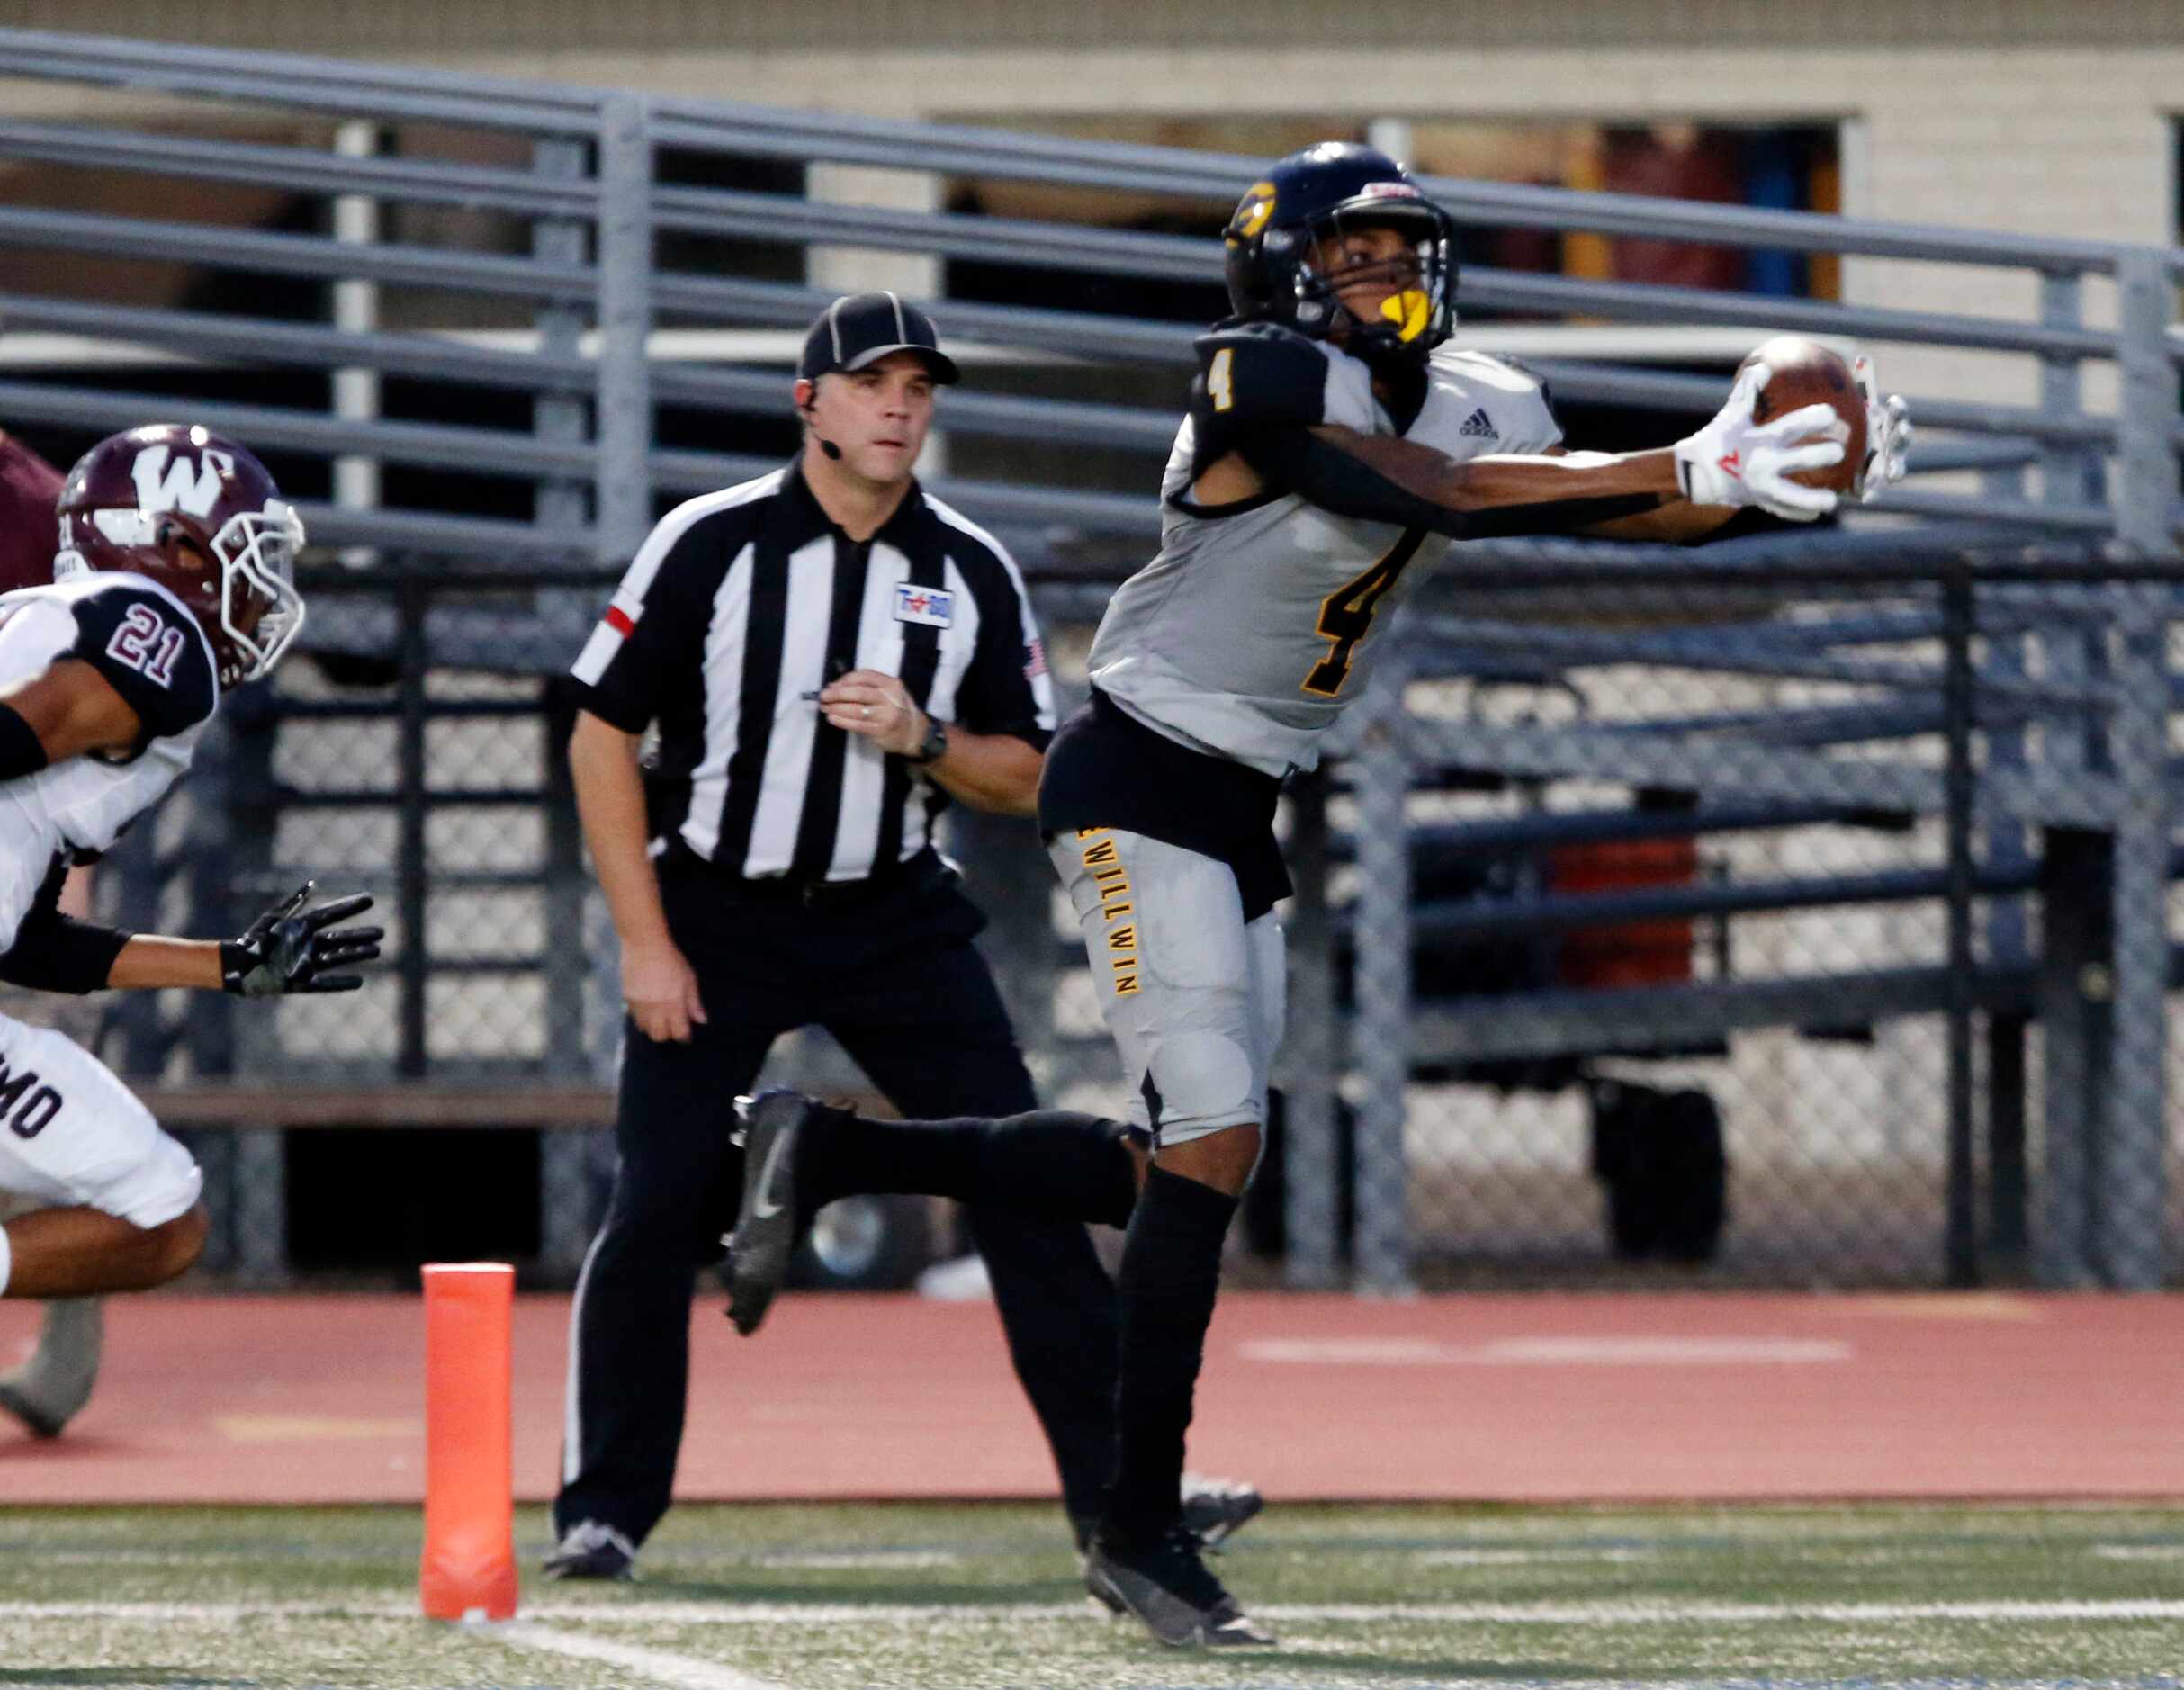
point(1727, 1612)
point(660, 1665)
point(1572, 1613)
point(1523, 1556)
point(836, 1613)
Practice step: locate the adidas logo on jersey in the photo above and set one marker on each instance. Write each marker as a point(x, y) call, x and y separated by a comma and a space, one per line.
point(1478, 426)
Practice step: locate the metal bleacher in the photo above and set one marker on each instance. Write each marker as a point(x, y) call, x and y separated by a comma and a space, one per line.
point(538, 311)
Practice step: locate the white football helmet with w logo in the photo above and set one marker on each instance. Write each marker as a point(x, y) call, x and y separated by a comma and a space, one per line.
point(198, 514)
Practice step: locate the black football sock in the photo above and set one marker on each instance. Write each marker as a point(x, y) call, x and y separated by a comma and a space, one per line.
point(1171, 1272)
point(1050, 1162)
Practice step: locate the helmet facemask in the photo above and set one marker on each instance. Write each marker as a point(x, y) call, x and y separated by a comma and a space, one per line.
point(251, 557)
point(1417, 315)
point(257, 553)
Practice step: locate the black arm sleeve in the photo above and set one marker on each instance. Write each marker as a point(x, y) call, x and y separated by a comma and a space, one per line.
point(53, 952)
point(1300, 462)
point(149, 650)
point(21, 752)
point(1251, 375)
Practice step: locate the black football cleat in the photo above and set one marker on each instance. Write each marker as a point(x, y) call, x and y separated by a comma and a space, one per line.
point(1216, 1509)
point(769, 1128)
point(591, 1550)
point(1166, 1584)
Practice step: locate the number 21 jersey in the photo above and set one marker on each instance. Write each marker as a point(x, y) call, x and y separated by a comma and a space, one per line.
point(150, 649)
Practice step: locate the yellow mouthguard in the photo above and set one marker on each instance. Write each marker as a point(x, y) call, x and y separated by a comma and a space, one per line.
point(1409, 311)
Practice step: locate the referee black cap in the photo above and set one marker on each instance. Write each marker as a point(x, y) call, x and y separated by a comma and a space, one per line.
point(860, 328)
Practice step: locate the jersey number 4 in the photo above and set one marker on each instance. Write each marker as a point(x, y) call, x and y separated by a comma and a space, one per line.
point(1220, 379)
point(1345, 614)
point(148, 643)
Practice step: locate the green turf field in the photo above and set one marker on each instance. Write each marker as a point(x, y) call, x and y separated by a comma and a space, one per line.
point(839, 1598)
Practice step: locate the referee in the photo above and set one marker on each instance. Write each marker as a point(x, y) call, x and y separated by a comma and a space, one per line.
point(831, 656)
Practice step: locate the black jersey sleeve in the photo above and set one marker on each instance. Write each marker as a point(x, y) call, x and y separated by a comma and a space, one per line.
point(151, 651)
point(1005, 687)
point(1253, 376)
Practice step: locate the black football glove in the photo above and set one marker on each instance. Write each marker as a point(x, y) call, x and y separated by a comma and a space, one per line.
point(288, 948)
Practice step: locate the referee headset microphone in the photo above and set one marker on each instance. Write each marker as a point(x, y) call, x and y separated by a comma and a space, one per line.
point(859, 330)
point(810, 417)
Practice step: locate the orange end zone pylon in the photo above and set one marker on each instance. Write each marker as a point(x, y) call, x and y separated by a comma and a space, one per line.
point(469, 1568)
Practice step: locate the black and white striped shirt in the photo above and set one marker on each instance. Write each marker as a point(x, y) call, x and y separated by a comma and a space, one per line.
point(742, 605)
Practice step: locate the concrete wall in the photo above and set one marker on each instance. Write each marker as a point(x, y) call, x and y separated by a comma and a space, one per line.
point(431, 27)
point(2032, 140)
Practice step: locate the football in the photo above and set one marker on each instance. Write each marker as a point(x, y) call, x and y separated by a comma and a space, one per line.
point(1806, 372)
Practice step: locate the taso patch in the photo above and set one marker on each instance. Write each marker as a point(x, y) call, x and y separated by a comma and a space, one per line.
point(930, 607)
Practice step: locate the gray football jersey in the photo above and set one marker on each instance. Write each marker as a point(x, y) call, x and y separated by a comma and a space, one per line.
point(1250, 630)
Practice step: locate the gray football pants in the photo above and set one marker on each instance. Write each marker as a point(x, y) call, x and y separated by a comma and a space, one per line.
point(1193, 994)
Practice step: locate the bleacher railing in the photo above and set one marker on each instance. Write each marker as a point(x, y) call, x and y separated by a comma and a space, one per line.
point(534, 263)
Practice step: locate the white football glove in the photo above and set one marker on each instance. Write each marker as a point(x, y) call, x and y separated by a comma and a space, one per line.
point(1735, 461)
point(1888, 434)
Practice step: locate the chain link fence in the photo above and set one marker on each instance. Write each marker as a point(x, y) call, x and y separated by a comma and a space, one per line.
point(1784, 914)
point(1722, 963)
point(1776, 924)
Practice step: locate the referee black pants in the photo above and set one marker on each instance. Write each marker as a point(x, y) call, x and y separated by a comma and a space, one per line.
point(893, 975)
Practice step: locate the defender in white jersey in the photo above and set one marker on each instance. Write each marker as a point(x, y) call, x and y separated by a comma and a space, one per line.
point(1332, 438)
point(172, 583)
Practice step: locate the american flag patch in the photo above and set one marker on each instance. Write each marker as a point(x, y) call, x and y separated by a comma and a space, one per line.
point(1035, 658)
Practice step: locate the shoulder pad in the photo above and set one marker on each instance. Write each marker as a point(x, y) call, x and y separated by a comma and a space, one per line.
point(150, 649)
point(1457, 357)
point(1258, 373)
point(1522, 368)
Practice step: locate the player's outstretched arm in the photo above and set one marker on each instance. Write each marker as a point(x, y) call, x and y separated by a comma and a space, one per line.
point(1385, 477)
point(293, 947)
point(290, 947)
point(1732, 462)
point(1888, 438)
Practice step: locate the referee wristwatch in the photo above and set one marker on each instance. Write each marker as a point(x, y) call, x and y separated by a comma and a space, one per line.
point(934, 745)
